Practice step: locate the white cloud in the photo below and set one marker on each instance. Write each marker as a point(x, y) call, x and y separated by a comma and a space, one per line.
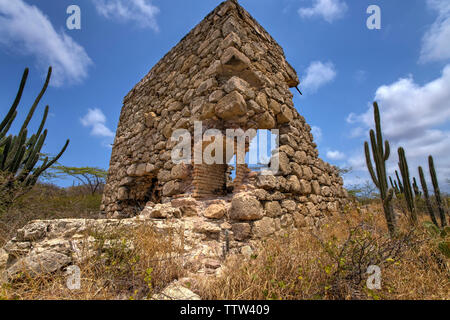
point(335, 155)
point(415, 117)
point(142, 12)
point(25, 29)
point(96, 120)
point(317, 133)
point(360, 76)
point(436, 41)
point(329, 10)
point(317, 75)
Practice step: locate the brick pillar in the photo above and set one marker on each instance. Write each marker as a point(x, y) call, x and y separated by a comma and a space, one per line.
point(242, 172)
point(209, 180)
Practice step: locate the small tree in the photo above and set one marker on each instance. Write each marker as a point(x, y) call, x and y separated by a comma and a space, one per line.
point(92, 178)
point(344, 170)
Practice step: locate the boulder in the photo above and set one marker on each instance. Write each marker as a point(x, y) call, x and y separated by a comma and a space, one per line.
point(246, 207)
point(231, 106)
point(273, 209)
point(180, 171)
point(299, 220)
point(286, 115)
point(216, 211)
point(39, 263)
point(241, 231)
point(162, 211)
point(171, 188)
point(175, 291)
point(3, 259)
point(189, 206)
point(289, 205)
point(265, 121)
point(264, 228)
point(238, 84)
point(267, 182)
point(206, 228)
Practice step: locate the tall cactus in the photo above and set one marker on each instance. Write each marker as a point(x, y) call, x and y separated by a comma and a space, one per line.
point(416, 189)
point(394, 186)
point(380, 152)
point(437, 192)
point(19, 155)
point(427, 197)
point(400, 185)
point(404, 170)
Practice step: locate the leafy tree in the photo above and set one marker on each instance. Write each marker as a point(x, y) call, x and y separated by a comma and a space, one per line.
point(91, 177)
point(364, 191)
point(344, 170)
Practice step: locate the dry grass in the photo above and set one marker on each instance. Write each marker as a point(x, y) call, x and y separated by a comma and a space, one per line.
point(46, 201)
point(304, 266)
point(329, 263)
point(128, 265)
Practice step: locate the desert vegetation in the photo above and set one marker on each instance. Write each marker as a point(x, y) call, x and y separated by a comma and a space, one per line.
point(395, 225)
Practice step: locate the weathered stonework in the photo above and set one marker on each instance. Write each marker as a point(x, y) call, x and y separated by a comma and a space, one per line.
point(228, 72)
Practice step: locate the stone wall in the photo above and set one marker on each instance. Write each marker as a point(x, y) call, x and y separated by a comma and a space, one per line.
point(228, 72)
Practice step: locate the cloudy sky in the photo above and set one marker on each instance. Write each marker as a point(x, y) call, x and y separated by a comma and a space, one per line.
point(344, 66)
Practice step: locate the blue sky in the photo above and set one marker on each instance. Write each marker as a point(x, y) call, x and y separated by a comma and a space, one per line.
point(343, 65)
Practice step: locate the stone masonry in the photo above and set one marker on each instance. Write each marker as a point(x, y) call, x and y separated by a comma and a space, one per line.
point(228, 72)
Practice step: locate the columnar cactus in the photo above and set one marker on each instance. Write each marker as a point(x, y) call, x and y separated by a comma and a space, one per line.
point(394, 186)
point(437, 192)
point(400, 185)
point(416, 189)
point(404, 170)
point(380, 152)
point(19, 154)
point(427, 197)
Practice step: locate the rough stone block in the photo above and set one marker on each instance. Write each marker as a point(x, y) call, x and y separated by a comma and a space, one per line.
point(241, 231)
point(231, 106)
point(235, 59)
point(245, 207)
point(264, 228)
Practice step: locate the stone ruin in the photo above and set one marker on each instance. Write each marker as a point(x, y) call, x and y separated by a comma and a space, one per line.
point(228, 72)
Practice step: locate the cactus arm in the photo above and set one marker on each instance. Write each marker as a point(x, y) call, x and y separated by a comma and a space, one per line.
point(38, 99)
point(403, 164)
point(377, 118)
point(44, 119)
point(387, 150)
point(369, 165)
point(35, 151)
point(45, 166)
point(400, 185)
point(416, 188)
point(5, 152)
point(376, 160)
point(13, 108)
point(437, 192)
point(427, 197)
point(7, 127)
point(16, 152)
point(16, 164)
point(392, 184)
